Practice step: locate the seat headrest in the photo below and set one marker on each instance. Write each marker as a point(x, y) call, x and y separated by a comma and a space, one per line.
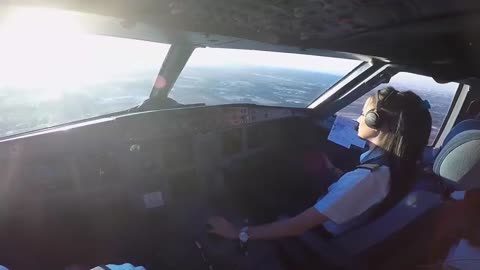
point(460, 155)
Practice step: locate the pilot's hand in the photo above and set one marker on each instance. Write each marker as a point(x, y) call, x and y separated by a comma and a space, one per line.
point(328, 163)
point(222, 227)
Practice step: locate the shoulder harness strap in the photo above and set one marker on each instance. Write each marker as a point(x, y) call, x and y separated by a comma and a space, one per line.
point(371, 167)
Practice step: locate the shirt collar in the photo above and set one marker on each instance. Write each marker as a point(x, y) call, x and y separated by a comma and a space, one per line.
point(371, 154)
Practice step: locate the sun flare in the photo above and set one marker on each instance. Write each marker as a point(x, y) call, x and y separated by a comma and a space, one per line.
point(52, 53)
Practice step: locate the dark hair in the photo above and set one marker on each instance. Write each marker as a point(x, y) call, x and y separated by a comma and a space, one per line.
point(406, 131)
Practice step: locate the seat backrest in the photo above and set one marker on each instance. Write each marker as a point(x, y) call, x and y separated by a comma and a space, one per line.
point(344, 251)
point(466, 125)
point(405, 212)
point(460, 155)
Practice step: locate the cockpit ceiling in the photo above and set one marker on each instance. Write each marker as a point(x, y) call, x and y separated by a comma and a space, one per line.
point(439, 35)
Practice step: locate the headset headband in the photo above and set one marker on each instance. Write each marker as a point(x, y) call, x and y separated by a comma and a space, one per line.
point(383, 100)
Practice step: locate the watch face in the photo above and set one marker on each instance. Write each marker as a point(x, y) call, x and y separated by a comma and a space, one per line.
point(243, 236)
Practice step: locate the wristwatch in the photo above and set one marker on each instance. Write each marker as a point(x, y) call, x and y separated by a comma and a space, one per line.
point(243, 235)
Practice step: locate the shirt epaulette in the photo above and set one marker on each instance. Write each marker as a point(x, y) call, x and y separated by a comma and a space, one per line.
point(371, 167)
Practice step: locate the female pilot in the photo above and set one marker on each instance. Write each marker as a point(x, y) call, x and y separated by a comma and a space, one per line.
point(396, 126)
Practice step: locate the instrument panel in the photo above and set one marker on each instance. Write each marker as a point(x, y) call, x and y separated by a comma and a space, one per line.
point(176, 146)
point(121, 182)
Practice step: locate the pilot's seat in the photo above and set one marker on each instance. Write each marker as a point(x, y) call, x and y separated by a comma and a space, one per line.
point(369, 246)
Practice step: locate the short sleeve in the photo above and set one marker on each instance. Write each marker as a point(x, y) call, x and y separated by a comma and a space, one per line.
point(354, 193)
point(126, 266)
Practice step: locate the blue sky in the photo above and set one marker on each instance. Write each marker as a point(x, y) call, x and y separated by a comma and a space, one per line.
point(234, 57)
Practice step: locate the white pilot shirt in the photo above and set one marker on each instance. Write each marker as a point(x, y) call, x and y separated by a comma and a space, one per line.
point(353, 194)
point(125, 266)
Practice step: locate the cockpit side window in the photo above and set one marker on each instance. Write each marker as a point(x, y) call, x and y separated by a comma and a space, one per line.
point(439, 96)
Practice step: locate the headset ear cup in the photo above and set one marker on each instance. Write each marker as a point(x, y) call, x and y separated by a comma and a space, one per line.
point(372, 119)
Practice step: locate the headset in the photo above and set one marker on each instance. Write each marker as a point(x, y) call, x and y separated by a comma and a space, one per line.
point(375, 118)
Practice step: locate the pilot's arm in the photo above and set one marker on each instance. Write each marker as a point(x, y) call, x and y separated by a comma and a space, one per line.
point(353, 194)
point(125, 266)
point(288, 227)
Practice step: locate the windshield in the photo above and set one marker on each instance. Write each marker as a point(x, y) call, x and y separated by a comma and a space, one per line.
point(50, 77)
point(224, 76)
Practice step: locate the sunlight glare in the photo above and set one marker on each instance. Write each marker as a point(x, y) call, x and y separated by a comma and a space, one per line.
point(39, 22)
point(50, 52)
point(34, 49)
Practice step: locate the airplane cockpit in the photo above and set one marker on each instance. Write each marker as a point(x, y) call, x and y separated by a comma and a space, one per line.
point(126, 125)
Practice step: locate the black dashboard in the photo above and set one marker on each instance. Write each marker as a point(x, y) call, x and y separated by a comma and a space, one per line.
point(147, 177)
point(87, 156)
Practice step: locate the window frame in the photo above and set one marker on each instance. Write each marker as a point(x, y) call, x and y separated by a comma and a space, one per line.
point(349, 77)
point(102, 116)
point(352, 88)
point(390, 71)
point(452, 114)
point(178, 66)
